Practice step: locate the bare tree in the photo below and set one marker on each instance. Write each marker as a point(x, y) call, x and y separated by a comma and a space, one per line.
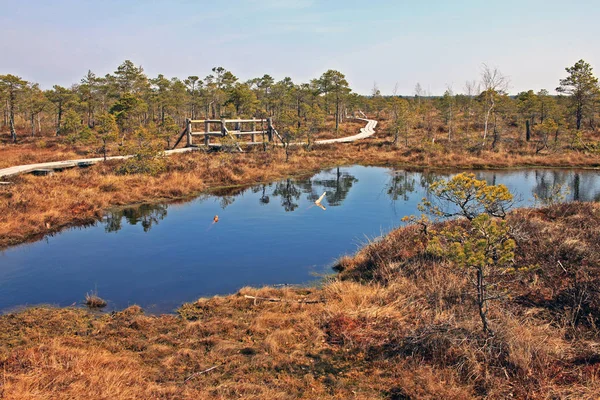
point(400, 115)
point(448, 108)
point(493, 83)
point(471, 90)
point(395, 112)
point(418, 93)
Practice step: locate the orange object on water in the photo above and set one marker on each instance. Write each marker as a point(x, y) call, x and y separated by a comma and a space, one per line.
point(216, 218)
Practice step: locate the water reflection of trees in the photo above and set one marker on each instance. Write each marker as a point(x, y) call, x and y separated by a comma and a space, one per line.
point(228, 195)
point(289, 194)
point(581, 186)
point(264, 197)
point(337, 187)
point(578, 186)
point(147, 215)
point(400, 184)
point(336, 183)
point(547, 181)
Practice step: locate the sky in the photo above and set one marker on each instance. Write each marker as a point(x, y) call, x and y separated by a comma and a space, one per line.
point(393, 44)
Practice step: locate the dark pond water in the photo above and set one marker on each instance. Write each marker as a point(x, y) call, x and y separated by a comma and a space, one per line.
point(161, 256)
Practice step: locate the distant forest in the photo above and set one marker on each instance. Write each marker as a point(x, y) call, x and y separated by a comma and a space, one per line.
point(128, 101)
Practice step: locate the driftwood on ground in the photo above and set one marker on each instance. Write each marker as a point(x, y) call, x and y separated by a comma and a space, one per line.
point(276, 300)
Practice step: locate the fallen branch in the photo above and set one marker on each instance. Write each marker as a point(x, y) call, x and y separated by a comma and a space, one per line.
point(200, 373)
point(5, 183)
point(563, 268)
point(276, 300)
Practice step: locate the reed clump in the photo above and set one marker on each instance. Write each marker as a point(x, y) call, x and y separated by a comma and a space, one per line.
point(92, 300)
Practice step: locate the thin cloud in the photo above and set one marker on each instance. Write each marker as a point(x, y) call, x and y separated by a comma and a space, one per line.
point(283, 4)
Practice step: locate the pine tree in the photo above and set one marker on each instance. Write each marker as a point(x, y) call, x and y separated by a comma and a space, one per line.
point(582, 86)
point(12, 86)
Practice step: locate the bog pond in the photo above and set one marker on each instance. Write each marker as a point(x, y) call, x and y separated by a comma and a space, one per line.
point(159, 256)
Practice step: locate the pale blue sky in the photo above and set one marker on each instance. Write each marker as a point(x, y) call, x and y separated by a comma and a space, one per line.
point(435, 42)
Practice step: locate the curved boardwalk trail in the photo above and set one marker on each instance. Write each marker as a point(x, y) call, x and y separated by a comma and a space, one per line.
point(365, 132)
point(57, 165)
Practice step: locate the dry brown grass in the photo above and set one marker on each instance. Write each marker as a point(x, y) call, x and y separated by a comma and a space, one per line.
point(397, 324)
point(37, 150)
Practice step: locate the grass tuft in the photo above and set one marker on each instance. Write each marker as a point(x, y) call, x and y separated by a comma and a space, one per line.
point(92, 300)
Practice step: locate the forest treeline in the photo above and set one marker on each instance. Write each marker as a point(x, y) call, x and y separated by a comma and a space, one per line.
point(127, 102)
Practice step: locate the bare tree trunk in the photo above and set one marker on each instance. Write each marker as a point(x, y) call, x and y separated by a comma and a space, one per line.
point(396, 128)
point(13, 132)
point(496, 136)
point(286, 146)
point(481, 301)
point(337, 115)
point(104, 148)
point(542, 114)
point(298, 113)
point(468, 120)
point(487, 119)
point(5, 114)
point(59, 117)
point(11, 117)
point(579, 115)
point(89, 117)
point(450, 124)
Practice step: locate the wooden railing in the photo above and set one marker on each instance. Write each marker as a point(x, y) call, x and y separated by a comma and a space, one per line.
point(228, 127)
point(225, 127)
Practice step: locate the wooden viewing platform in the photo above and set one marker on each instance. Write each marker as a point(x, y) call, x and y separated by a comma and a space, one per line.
point(228, 127)
point(250, 127)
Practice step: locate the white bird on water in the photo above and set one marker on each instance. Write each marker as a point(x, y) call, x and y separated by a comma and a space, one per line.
point(319, 200)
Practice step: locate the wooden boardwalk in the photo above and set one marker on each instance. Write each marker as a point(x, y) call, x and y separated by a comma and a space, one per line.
point(368, 130)
point(60, 165)
point(365, 132)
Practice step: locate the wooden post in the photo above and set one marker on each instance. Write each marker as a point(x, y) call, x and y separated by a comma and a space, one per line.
point(238, 127)
point(223, 128)
point(253, 130)
point(206, 136)
point(270, 129)
point(188, 127)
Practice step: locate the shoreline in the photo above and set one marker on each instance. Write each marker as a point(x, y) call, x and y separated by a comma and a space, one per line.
point(91, 220)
